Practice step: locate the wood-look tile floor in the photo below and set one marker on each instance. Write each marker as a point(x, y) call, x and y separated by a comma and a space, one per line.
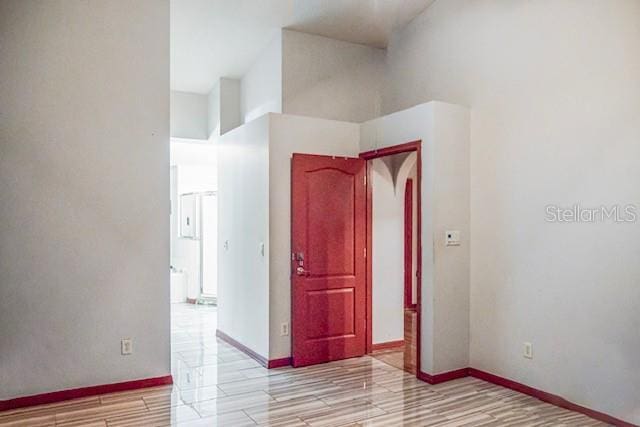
point(216, 385)
point(394, 357)
point(404, 356)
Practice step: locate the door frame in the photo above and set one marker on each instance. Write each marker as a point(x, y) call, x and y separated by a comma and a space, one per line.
point(412, 146)
point(408, 244)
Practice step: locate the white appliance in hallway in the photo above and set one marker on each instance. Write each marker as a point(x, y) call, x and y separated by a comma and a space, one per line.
point(178, 286)
point(198, 225)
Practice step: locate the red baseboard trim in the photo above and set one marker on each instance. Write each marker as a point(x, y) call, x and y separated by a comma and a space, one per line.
point(524, 389)
point(269, 364)
point(547, 397)
point(387, 345)
point(443, 377)
point(76, 393)
point(279, 363)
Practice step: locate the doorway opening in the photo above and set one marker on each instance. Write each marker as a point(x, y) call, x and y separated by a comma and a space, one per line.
point(193, 222)
point(194, 252)
point(394, 244)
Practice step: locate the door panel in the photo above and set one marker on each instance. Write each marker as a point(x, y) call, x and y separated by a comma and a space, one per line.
point(328, 260)
point(340, 322)
point(330, 222)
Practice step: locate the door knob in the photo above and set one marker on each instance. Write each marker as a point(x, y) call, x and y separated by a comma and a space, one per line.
point(300, 271)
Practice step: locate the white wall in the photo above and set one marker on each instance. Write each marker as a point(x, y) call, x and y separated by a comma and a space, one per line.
point(288, 135)
point(197, 178)
point(84, 155)
point(193, 152)
point(243, 215)
point(451, 211)
point(309, 75)
point(224, 109)
point(209, 244)
point(230, 104)
point(555, 100)
point(444, 131)
point(213, 111)
point(189, 115)
point(261, 86)
point(331, 79)
point(388, 179)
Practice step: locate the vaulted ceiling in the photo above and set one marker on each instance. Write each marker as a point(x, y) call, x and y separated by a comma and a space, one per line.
point(222, 38)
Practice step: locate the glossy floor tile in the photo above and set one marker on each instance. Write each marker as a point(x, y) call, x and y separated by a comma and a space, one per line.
point(394, 357)
point(217, 385)
point(403, 356)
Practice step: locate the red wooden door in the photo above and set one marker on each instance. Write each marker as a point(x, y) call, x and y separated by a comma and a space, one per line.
point(328, 265)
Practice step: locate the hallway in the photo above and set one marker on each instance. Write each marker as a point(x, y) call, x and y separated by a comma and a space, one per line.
point(217, 385)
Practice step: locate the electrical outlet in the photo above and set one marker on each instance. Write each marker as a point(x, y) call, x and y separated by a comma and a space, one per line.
point(452, 237)
point(126, 346)
point(284, 329)
point(528, 350)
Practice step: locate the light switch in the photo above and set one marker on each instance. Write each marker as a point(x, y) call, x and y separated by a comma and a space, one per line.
point(453, 237)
